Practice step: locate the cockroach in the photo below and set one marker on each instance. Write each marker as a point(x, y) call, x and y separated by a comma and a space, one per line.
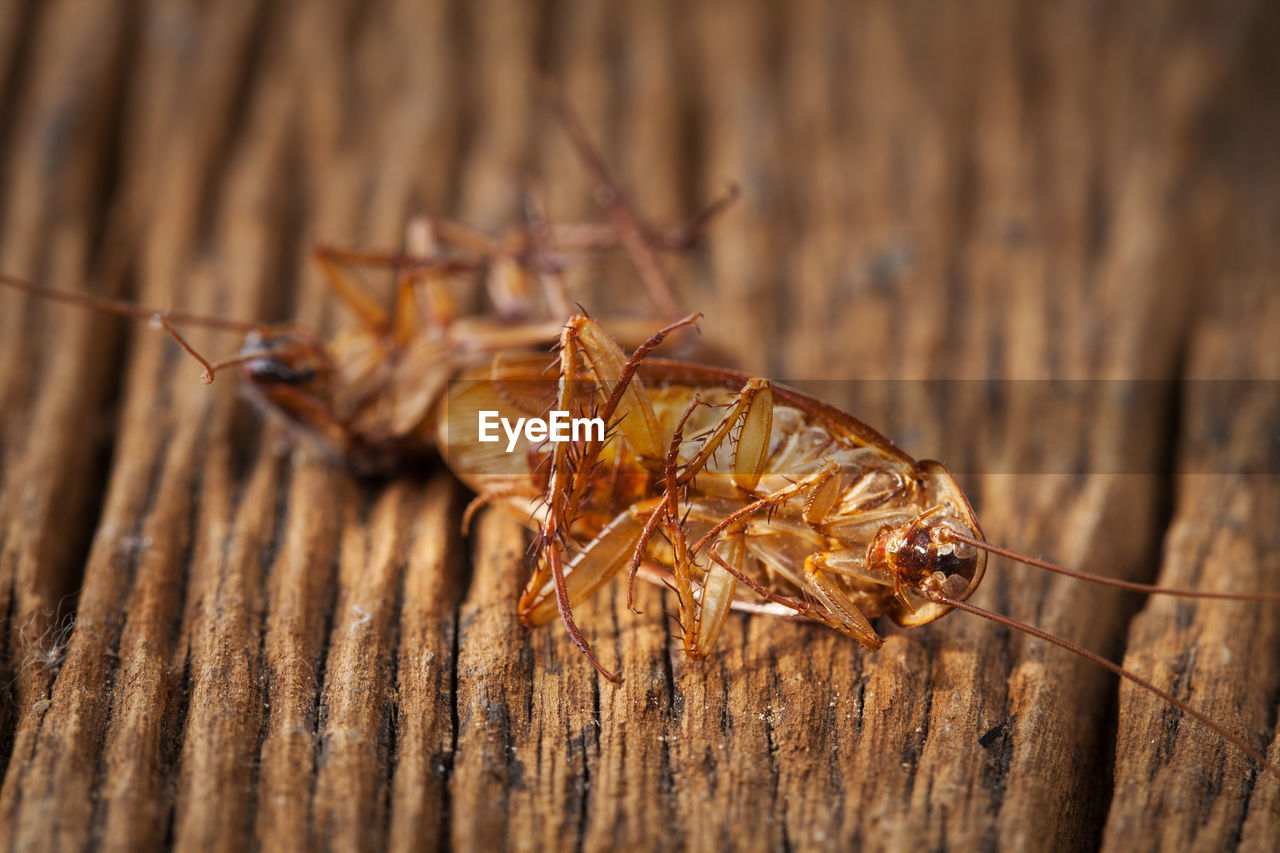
point(734, 492)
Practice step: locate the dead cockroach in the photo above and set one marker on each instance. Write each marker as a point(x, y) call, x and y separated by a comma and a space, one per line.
point(766, 500)
point(735, 492)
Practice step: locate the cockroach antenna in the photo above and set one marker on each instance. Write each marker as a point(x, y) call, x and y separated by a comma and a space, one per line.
point(157, 318)
point(940, 597)
point(1103, 580)
point(124, 308)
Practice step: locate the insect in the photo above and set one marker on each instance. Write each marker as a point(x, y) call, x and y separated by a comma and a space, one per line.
point(735, 492)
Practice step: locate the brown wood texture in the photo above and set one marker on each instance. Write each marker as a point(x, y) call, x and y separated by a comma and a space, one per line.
point(215, 638)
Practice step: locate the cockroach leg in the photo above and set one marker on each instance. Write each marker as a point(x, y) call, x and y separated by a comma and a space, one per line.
point(683, 569)
point(679, 237)
point(304, 408)
point(721, 575)
point(638, 424)
point(554, 529)
point(549, 274)
point(795, 607)
point(630, 233)
point(589, 569)
point(583, 340)
point(773, 499)
point(614, 373)
point(835, 610)
point(718, 588)
point(419, 240)
point(702, 614)
point(414, 272)
point(586, 236)
point(334, 263)
point(580, 338)
point(842, 614)
point(642, 544)
point(626, 391)
point(664, 509)
point(753, 407)
point(566, 615)
point(480, 501)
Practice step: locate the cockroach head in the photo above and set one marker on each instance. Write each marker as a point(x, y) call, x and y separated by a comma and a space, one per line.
point(277, 359)
point(926, 558)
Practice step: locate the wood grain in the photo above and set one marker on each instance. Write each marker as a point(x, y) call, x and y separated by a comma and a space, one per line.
point(216, 637)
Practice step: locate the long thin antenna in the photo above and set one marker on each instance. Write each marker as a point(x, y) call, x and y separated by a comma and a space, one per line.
point(1106, 581)
point(1182, 706)
point(160, 321)
point(126, 309)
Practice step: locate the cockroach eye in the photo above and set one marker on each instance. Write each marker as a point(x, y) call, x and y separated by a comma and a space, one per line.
point(270, 370)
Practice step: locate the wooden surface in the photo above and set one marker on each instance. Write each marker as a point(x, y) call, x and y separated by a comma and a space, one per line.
point(213, 637)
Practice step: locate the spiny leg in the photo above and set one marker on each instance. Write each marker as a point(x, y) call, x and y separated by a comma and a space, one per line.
point(638, 424)
point(730, 528)
point(842, 614)
point(610, 373)
point(837, 609)
point(664, 508)
point(753, 406)
point(770, 501)
point(591, 567)
point(554, 533)
point(582, 338)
